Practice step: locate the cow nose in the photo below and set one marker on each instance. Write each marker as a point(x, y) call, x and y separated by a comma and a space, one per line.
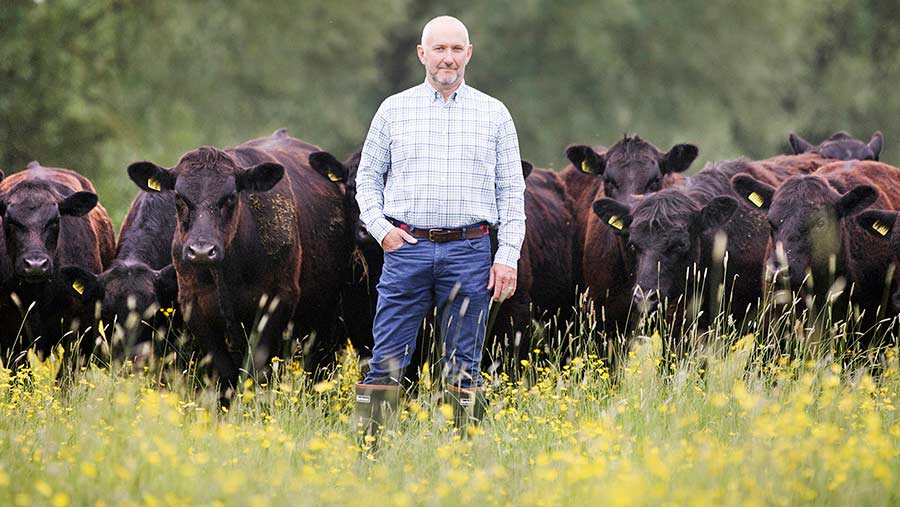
point(37, 265)
point(201, 253)
point(645, 300)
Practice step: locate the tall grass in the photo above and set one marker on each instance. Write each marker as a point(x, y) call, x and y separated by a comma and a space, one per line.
point(773, 410)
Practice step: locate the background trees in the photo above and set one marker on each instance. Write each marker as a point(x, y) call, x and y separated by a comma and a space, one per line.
point(96, 84)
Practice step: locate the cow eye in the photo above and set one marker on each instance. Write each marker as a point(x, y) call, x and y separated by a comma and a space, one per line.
point(654, 184)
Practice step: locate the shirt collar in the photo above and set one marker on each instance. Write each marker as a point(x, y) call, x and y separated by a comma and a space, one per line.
point(434, 94)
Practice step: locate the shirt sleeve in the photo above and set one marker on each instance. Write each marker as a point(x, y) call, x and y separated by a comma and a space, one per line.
point(510, 192)
point(374, 163)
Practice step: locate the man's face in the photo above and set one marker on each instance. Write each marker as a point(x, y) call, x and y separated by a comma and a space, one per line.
point(445, 53)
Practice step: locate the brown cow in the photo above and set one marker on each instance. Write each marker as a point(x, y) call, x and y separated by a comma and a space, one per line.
point(253, 221)
point(810, 218)
point(50, 218)
point(600, 259)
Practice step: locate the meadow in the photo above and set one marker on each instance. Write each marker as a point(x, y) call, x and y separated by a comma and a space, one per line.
point(727, 423)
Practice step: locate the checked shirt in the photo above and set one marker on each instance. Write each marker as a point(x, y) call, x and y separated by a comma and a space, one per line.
point(431, 163)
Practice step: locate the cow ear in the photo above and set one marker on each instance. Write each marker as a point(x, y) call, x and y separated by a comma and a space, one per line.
point(876, 143)
point(325, 164)
point(2, 175)
point(82, 284)
point(757, 193)
point(799, 145)
point(857, 199)
point(679, 158)
point(585, 159)
point(151, 177)
point(166, 285)
point(526, 169)
point(260, 178)
point(877, 222)
point(717, 212)
point(614, 214)
point(78, 204)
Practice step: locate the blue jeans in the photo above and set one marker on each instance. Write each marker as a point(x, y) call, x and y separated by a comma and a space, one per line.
point(415, 277)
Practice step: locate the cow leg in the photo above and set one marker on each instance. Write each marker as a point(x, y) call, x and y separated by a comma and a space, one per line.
point(211, 336)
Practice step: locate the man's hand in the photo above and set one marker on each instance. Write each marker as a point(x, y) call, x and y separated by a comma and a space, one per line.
point(503, 281)
point(395, 239)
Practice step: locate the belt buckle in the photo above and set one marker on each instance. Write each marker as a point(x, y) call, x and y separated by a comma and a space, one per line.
point(436, 235)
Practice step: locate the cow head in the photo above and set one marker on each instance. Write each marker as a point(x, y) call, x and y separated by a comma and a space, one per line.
point(31, 212)
point(344, 173)
point(840, 146)
point(126, 287)
point(208, 185)
point(805, 214)
point(664, 232)
point(632, 166)
point(883, 224)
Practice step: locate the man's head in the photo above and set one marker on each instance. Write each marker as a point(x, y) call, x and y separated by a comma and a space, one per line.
point(445, 51)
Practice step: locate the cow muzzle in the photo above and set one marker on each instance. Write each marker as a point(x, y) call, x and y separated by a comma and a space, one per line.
point(645, 300)
point(201, 252)
point(35, 267)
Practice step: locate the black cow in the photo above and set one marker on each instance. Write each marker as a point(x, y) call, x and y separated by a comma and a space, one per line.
point(840, 146)
point(258, 231)
point(140, 280)
point(812, 230)
point(51, 218)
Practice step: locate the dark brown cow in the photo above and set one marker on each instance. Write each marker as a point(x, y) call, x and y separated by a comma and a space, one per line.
point(600, 259)
point(253, 221)
point(544, 279)
point(840, 146)
point(810, 218)
point(670, 235)
point(51, 218)
point(882, 224)
point(140, 279)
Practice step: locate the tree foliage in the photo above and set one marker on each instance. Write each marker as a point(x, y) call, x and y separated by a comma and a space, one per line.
point(96, 84)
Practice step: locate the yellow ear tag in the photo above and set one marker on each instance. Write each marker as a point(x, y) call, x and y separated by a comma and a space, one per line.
point(616, 222)
point(756, 199)
point(333, 177)
point(153, 184)
point(880, 228)
point(78, 287)
point(101, 328)
point(584, 167)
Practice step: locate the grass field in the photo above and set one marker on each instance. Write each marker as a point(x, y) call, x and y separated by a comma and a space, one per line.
point(721, 426)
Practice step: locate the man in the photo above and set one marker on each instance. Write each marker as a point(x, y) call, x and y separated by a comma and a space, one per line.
point(440, 165)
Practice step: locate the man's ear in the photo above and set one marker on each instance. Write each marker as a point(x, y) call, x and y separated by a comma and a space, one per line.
point(799, 145)
point(876, 143)
point(857, 199)
point(82, 284)
point(755, 192)
point(679, 158)
point(151, 177)
point(166, 285)
point(878, 222)
point(614, 214)
point(260, 178)
point(325, 164)
point(78, 204)
point(585, 159)
point(717, 213)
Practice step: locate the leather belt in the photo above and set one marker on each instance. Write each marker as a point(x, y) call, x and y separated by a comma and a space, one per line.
point(441, 235)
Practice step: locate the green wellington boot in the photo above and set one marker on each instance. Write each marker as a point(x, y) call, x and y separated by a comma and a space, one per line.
point(468, 405)
point(376, 405)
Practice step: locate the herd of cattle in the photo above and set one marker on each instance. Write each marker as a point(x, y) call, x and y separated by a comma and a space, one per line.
point(264, 239)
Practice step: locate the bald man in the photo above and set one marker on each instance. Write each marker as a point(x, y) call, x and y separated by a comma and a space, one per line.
point(440, 167)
